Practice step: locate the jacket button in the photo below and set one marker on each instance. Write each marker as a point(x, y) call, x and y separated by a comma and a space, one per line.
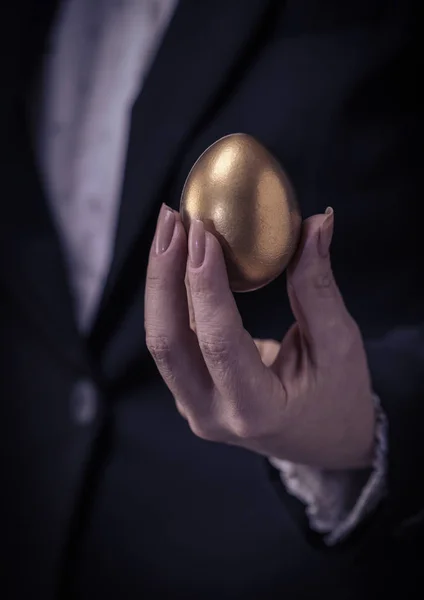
point(84, 402)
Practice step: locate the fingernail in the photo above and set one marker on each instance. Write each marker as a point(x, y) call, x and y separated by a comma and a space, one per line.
point(165, 229)
point(326, 233)
point(196, 243)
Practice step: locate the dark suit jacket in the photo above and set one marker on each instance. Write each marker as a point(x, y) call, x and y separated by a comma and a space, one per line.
point(131, 504)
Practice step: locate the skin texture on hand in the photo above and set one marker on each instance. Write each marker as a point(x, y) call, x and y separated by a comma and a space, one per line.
point(307, 400)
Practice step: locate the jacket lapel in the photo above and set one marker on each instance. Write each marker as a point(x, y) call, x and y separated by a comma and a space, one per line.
point(204, 43)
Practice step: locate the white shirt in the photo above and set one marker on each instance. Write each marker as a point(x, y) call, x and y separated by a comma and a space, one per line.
point(100, 53)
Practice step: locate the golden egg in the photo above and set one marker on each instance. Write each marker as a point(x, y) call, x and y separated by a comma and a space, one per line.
point(242, 195)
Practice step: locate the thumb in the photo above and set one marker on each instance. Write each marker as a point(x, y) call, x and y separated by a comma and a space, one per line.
point(314, 296)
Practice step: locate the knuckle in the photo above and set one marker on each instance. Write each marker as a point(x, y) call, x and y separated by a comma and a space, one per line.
point(229, 430)
point(202, 284)
point(155, 282)
point(204, 430)
point(161, 348)
point(323, 283)
point(243, 429)
point(216, 350)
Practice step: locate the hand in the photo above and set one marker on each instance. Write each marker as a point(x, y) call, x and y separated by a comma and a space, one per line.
point(308, 400)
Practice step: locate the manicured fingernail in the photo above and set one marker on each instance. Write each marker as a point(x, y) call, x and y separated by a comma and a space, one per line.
point(326, 233)
point(197, 243)
point(165, 229)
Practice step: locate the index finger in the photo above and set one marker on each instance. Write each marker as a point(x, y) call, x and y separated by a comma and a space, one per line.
point(169, 338)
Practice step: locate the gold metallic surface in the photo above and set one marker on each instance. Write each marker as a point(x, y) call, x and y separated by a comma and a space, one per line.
point(244, 198)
